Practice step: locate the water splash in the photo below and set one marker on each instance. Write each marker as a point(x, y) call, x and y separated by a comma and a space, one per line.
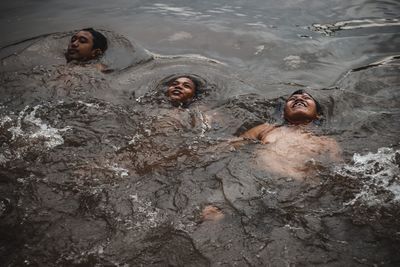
point(42, 131)
point(379, 174)
point(205, 126)
point(259, 49)
point(119, 171)
point(90, 105)
point(145, 215)
point(4, 120)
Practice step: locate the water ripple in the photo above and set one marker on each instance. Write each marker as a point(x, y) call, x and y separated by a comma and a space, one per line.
point(330, 29)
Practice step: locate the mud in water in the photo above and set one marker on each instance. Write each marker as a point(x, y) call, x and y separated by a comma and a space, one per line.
point(99, 169)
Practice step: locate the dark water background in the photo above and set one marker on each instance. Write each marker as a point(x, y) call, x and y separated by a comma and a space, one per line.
point(99, 170)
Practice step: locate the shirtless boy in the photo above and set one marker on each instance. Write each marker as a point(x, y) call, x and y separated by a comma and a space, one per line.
point(292, 149)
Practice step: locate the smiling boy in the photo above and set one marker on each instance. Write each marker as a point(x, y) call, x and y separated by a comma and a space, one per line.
point(292, 149)
point(181, 91)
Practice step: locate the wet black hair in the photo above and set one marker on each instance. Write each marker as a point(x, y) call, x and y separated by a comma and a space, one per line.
point(99, 40)
point(301, 91)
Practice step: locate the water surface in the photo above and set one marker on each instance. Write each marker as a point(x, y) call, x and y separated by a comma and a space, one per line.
point(97, 169)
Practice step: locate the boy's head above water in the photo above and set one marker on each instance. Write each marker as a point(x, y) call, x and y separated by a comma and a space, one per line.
point(181, 90)
point(85, 45)
point(301, 108)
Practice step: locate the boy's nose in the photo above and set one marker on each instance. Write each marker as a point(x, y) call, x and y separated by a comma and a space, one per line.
point(74, 44)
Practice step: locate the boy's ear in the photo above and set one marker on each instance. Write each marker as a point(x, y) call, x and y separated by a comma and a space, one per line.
point(96, 52)
point(319, 117)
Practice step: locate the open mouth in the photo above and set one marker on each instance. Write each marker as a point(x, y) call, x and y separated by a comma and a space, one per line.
point(176, 92)
point(299, 104)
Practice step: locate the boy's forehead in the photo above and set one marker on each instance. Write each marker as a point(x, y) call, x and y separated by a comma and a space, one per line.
point(182, 79)
point(303, 93)
point(84, 33)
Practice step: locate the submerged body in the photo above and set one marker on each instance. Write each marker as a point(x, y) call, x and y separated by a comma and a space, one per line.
point(292, 149)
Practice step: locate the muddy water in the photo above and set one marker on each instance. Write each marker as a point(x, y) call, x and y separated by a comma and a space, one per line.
point(98, 169)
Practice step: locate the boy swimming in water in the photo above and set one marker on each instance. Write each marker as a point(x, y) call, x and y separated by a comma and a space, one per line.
point(85, 45)
point(181, 91)
point(292, 149)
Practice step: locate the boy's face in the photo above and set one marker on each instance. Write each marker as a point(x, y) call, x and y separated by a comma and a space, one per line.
point(81, 47)
point(300, 109)
point(181, 90)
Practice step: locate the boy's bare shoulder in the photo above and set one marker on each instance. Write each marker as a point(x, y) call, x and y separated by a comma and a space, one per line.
point(258, 132)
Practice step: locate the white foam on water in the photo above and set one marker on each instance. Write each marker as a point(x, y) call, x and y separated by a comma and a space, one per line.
point(135, 139)
point(119, 171)
point(52, 136)
point(148, 216)
point(259, 49)
point(90, 105)
point(205, 125)
point(378, 172)
point(16, 130)
point(4, 120)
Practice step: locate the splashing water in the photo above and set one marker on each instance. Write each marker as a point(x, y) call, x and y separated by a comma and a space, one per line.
point(52, 136)
point(379, 174)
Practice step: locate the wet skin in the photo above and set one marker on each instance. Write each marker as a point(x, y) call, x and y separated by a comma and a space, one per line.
point(293, 150)
point(300, 109)
point(181, 91)
point(211, 213)
point(80, 47)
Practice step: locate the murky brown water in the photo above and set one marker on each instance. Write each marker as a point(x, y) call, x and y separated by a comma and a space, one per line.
point(100, 170)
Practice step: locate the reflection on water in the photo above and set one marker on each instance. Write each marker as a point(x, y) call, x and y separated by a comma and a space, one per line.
point(100, 170)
